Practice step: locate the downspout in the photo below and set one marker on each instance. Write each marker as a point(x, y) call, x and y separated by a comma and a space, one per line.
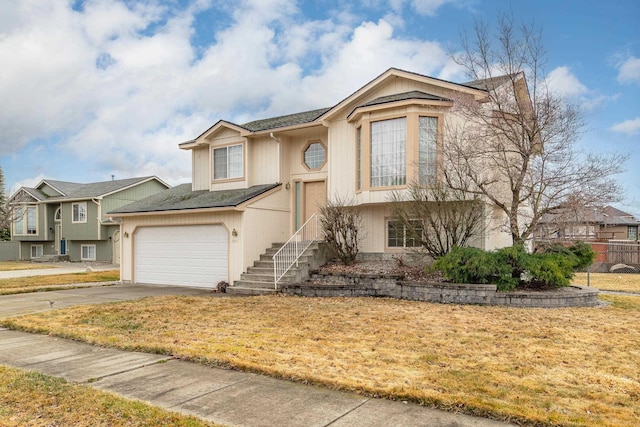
point(277, 140)
point(99, 219)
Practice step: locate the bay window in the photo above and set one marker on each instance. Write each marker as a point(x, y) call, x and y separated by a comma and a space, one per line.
point(397, 151)
point(389, 152)
point(427, 150)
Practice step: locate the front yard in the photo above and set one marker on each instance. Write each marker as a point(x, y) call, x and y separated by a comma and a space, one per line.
point(577, 366)
point(33, 399)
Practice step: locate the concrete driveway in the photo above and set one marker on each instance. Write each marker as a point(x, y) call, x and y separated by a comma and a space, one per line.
point(15, 305)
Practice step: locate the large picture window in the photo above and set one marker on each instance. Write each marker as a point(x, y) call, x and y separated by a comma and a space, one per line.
point(228, 162)
point(398, 151)
point(79, 212)
point(25, 220)
point(389, 152)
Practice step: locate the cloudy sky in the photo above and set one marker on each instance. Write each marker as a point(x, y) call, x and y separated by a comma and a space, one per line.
point(95, 88)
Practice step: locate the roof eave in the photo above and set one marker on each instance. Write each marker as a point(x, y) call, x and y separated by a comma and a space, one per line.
point(358, 111)
point(395, 72)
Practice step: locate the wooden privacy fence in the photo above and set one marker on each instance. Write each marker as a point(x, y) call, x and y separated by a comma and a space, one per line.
point(622, 252)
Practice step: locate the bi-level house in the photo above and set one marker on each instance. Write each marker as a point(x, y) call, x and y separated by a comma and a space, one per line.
point(69, 219)
point(258, 183)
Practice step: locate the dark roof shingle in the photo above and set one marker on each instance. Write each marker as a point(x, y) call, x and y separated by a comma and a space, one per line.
point(284, 121)
point(182, 197)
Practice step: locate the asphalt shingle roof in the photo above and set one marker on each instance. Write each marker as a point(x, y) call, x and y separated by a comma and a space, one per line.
point(182, 197)
point(415, 94)
point(73, 190)
point(284, 121)
point(490, 83)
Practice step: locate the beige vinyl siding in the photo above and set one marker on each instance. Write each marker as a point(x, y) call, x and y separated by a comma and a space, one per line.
point(342, 160)
point(201, 172)
point(129, 195)
point(262, 161)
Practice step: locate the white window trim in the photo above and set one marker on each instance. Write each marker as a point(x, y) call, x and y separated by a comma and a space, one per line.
point(36, 247)
point(24, 221)
point(82, 252)
point(73, 219)
point(227, 177)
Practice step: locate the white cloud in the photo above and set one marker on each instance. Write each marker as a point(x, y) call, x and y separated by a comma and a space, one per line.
point(629, 70)
point(428, 7)
point(628, 127)
point(28, 182)
point(564, 83)
point(120, 84)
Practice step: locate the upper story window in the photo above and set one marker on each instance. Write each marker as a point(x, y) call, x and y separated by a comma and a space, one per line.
point(389, 152)
point(427, 149)
point(58, 215)
point(228, 162)
point(315, 155)
point(25, 220)
point(394, 152)
point(79, 212)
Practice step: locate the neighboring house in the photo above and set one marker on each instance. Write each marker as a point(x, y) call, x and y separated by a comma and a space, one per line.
point(257, 183)
point(595, 223)
point(68, 218)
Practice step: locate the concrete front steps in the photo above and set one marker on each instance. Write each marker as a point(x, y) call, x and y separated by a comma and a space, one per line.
point(259, 280)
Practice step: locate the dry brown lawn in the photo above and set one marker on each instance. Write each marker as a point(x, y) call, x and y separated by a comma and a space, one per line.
point(55, 282)
point(22, 265)
point(33, 399)
point(610, 281)
point(578, 366)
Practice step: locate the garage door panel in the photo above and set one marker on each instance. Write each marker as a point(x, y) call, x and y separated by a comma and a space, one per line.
point(181, 255)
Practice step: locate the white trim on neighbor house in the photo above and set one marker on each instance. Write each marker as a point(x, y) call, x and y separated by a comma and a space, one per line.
point(39, 251)
point(90, 254)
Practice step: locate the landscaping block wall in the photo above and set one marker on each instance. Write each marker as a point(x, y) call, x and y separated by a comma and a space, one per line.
point(358, 285)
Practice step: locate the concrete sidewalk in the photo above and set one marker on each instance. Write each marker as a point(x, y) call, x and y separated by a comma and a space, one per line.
point(227, 397)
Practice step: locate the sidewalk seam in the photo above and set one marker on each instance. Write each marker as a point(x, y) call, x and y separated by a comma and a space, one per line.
point(347, 413)
point(207, 393)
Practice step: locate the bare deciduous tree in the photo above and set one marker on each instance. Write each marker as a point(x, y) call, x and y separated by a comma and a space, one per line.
point(521, 152)
point(437, 217)
point(341, 224)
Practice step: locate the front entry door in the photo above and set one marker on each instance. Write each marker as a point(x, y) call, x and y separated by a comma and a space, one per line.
point(315, 198)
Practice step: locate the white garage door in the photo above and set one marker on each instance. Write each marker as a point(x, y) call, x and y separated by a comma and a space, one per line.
point(193, 255)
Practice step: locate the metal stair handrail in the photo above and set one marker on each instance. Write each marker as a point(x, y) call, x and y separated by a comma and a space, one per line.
point(290, 252)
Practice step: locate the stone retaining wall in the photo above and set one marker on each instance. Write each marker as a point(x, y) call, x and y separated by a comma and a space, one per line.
point(358, 285)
